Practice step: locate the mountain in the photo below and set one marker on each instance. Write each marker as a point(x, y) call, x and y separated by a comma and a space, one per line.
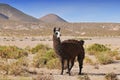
point(52, 18)
point(3, 17)
point(15, 14)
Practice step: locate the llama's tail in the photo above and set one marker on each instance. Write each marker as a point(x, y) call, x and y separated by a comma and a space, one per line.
point(82, 42)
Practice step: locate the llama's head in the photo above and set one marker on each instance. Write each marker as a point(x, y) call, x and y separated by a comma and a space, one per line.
point(57, 32)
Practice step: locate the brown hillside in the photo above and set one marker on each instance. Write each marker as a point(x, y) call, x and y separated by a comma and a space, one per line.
point(3, 17)
point(15, 14)
point(52, 18)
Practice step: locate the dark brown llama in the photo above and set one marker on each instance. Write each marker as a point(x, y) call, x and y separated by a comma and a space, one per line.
point(68, 50)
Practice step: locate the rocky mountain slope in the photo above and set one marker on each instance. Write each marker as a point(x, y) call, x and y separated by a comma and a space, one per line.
point(15, 14)
point(3, 17)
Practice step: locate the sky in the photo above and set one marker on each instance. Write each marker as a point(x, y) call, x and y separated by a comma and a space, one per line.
point(71, 10)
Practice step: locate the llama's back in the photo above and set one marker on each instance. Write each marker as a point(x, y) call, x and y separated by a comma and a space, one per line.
point(74, 41)
point(72, 48)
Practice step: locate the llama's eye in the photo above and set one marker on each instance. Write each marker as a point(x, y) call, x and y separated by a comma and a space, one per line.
point(56, 33)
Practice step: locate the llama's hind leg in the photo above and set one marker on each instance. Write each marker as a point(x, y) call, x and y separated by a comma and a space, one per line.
point(62, 65)
point(80, 60)
point(72, 63)
point(68, 66)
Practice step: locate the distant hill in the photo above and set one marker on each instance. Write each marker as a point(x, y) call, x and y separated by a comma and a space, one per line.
point(15, 22)
point(15, 14)
point(52, 18)
point(3, 17)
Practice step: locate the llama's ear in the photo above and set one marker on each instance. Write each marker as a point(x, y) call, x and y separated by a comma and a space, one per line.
point(58, 29)
point(54, 29)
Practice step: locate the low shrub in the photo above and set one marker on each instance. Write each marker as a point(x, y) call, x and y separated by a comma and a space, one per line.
point(113, 53)
point(93, 49)
point(12, 69)
point(117, 57)
point(50, 54)
point(54, 64)
point(4, 77)
point(43, 57)
point(39, 59)
point(84, 77)
point(111, 76)
point(39, 47)
point(88, 60)
point(103, 54)
point(4, 68)
point(104, 58)
point(12, 52)
point(17, 68)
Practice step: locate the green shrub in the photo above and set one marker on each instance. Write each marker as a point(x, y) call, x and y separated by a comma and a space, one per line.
point(113, 53)
point(39, 59)
point(104, 58)
point(42, 57)
point(22, 61)
point(39, 62)
point(102, 53)
point(39, 47)
point(16, 68)
point(45, 57)
point(12, 52)
point(88, 60)
point(54, 64)
point(12, 69)
point(50, 54)
point(93, 49)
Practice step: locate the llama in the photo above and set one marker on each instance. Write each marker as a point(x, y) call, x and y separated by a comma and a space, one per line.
point(68, 50)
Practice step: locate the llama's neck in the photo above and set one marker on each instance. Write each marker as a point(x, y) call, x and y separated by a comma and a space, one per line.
point(57, 44)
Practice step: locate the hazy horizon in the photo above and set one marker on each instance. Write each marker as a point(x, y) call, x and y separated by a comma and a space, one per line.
point(71, 10)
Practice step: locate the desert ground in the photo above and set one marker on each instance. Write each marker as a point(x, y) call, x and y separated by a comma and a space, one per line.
point(22, 42)
point(90, 70)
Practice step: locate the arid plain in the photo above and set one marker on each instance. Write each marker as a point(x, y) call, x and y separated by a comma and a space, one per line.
point(91, 70)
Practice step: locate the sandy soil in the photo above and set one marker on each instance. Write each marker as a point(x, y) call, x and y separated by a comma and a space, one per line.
point(93, 73)
point(113, 42)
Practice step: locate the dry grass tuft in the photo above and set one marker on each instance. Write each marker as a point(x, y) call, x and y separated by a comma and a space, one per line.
point(88, 60)
point(84, 77)
point(44, 77)
point(111, 76)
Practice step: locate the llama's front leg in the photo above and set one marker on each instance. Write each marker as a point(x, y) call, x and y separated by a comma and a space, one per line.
point(62, 64)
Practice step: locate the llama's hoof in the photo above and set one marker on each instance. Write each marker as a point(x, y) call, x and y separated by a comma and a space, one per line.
point(81, 74)
point(67, 72)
